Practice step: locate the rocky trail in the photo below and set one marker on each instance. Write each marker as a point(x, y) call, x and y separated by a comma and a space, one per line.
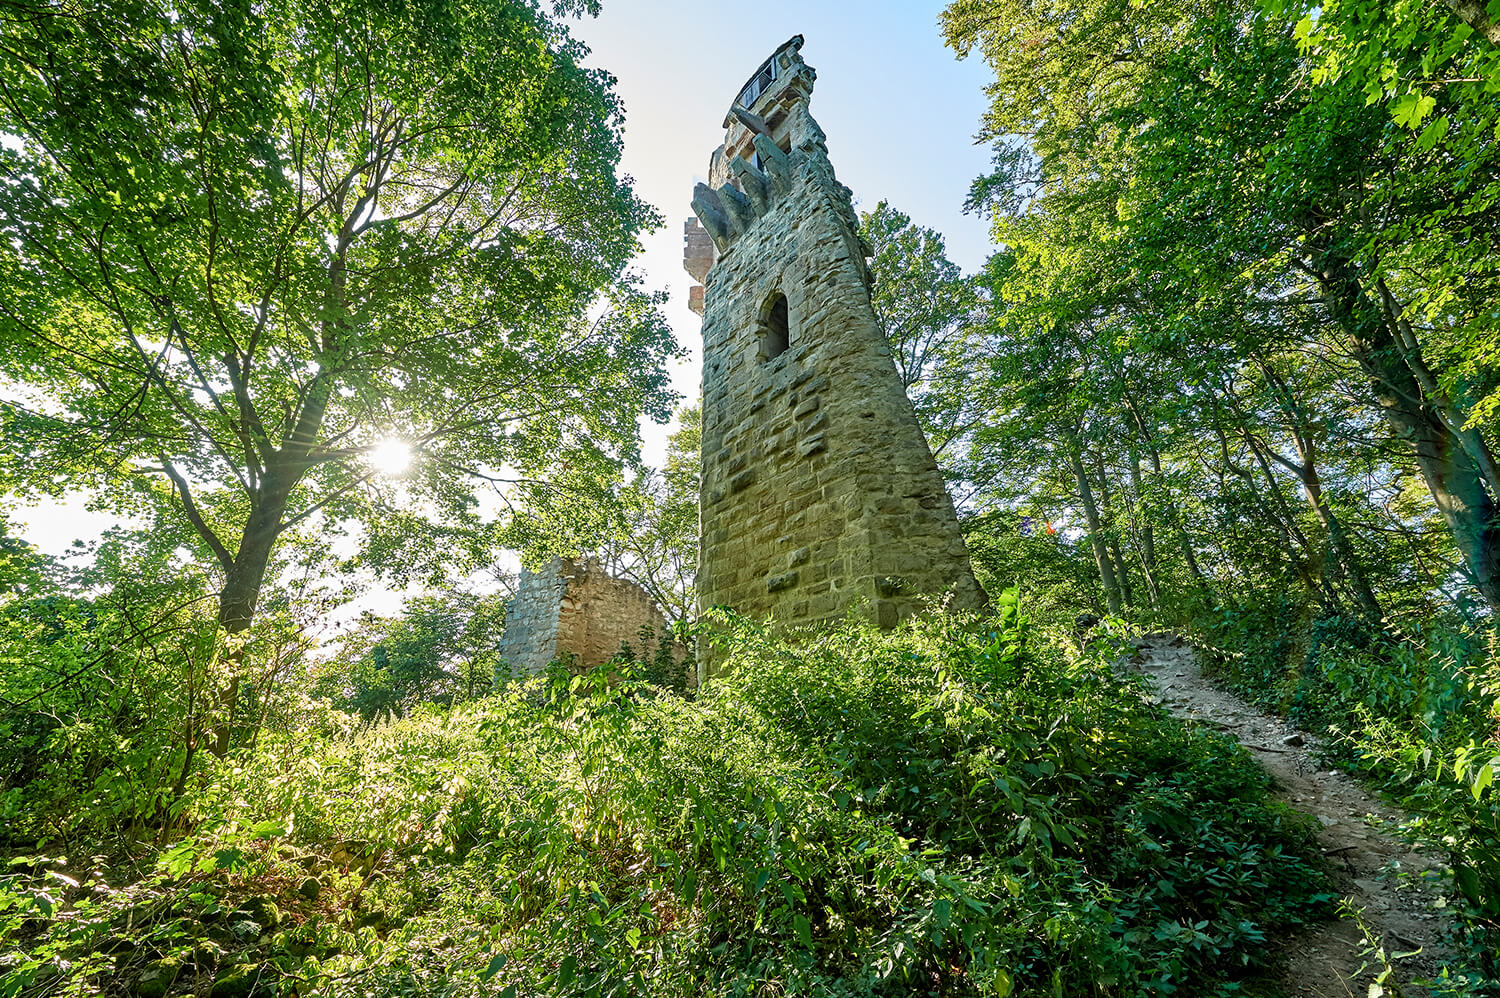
point(1373, 867)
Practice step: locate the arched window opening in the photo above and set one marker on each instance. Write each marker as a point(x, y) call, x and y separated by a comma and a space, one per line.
point(775, 329)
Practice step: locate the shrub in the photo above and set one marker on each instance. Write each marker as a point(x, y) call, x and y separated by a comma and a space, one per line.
point(943, 809)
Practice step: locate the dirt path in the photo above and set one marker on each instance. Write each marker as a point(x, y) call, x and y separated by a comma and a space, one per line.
point(1372, 865)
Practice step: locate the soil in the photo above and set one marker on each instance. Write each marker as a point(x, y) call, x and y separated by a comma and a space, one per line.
point(1392, 885)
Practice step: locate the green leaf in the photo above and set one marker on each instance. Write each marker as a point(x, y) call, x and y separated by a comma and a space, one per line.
point(1411, 109)
point(228, 859)
point(803, 929)
point(178, 860)
point(1432, 133)
point(496, 964)
point(1482, 779)
point(567, 970)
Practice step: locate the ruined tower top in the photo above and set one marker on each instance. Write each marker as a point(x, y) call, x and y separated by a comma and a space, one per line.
point(764, 106)
point(820, 496)
point(767, 119)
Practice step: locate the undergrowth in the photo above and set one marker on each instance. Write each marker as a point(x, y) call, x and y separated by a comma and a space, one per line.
point(949, 809)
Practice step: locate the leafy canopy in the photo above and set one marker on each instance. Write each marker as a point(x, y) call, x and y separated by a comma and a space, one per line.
point(243, 246)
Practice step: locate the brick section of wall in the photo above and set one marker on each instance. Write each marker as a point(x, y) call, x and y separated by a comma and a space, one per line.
point(579, 612)
point(601, 613)
point(697, 258)
point(819, 490)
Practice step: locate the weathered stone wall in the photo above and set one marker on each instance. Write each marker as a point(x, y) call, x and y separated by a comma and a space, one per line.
point(577, 612)
point(600, 613)
point(529, 641)
point(819, 490)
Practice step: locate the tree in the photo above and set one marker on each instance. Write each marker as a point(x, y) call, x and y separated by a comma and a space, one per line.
point(1178, 164)
point(656, 539)
point(931, 314)
point(440, 649)
point(243, 245)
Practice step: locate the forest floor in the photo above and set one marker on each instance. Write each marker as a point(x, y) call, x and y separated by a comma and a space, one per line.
point(1380, 873)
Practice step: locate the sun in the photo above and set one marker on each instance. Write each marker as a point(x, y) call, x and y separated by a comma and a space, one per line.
point(390, 456)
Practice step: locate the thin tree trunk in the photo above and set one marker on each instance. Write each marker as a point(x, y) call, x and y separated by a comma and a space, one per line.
point(1305, 468)
point(1173, 515)
point(1122, 567)
point(1147, 533)
point(1096, 528)
point(1179, 526)
point(1312, 485)
point(1107, 516)
point(1285, 522)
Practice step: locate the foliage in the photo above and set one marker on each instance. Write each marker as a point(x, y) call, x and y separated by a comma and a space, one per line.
point(440, 649)
point(656, 539)
point(927, 309)
point(242, 245)
point(1009, 550)
point(108, 690)
point(1242, 314)
point(947, 808)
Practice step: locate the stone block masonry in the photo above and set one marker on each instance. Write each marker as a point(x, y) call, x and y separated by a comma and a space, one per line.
point(820, 494)
point(578, 613)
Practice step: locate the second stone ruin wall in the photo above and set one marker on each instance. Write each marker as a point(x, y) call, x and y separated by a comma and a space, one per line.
point(580, 614)
point(600, 614)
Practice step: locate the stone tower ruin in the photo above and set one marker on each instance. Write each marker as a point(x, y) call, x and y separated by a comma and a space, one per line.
point(819, 491)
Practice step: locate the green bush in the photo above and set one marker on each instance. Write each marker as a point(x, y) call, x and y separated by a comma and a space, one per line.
point(942, 810)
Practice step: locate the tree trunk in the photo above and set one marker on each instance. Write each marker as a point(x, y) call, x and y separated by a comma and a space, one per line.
point(242, 585)
point(1452, 476)
point(1112, 534)
point(1122, 567)
point(1475, 15)
point(1292, 537)
point(1096, 528)
point(1174, 516)
point(1312, 486)
point(1442, 404)
point(1306, 470)
point(1148, 535)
